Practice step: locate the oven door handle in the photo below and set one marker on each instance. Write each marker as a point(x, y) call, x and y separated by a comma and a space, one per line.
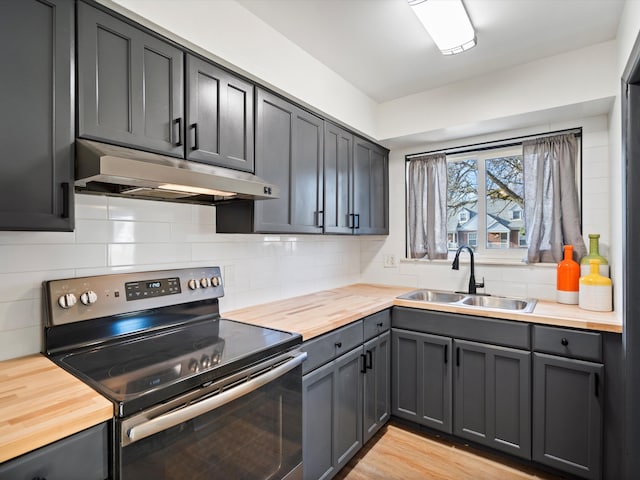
point(176, 417)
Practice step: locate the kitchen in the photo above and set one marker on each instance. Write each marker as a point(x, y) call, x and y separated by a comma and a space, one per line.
point(119, 235)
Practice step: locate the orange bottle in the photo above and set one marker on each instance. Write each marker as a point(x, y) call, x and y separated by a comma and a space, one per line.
point(568, 284)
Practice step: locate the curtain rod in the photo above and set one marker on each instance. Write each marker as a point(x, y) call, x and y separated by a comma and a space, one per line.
point(508, 142)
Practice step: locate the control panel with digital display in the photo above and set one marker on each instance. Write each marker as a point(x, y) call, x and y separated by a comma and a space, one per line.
point(152, 288)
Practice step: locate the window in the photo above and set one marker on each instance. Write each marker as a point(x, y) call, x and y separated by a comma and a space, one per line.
point(485, 192)
point(488, 187)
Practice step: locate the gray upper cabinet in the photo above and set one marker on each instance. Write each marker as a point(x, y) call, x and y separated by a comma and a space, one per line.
point(370, 188)
point(130, 85)
point(36, 129)
point(338, 180)
point(289, 144)
point(492, 401)
point(568, 408)
point(219, 112)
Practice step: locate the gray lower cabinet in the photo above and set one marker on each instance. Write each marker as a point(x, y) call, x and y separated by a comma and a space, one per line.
point(83, 456)
point(421, 381)
point(36, 169)
point(568, 403)
point(492, 399)
point(332, 415)
point(130, 85)
point(219, 113)
point(377, 384)
point(370, 188)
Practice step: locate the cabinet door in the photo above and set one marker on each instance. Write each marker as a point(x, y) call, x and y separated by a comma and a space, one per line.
point(370, 188)
point(421, 388)
point(377, 384)
point(289, 144)
point(36, 128)
point(567, 414)
point(492, 399)
point(318, 411)
point(130, 85)
point(338, 180)
point(332, 416)
point(219, 112)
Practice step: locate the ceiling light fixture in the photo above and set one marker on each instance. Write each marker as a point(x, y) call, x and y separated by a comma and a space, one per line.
point(448, 24)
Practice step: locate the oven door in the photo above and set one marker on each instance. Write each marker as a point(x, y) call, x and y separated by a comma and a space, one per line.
point(247, 426)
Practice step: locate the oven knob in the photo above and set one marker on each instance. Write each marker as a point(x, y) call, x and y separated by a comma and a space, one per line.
point(67, 300)
point(205, 361)
point(193, 284)
point(193, 365)
point(204, 282)
point(215, 281)
point(89, 297)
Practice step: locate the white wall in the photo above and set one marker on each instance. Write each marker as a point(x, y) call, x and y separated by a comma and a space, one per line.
point(628, 32)
point(117, 235)
point(515, 279)
point(239, 39)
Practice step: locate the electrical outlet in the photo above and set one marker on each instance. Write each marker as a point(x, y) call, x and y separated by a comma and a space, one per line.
point(389, 260)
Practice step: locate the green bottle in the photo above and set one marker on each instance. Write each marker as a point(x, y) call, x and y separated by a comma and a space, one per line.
point(594, 254)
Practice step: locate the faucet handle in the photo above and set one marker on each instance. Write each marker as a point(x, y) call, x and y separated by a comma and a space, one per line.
point(480, 284)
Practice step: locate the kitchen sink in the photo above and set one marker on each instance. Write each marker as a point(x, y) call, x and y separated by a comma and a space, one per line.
point(434, 296)
point(481, 302)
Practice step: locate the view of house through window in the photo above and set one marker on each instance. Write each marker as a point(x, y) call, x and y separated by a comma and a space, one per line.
point(485, 200)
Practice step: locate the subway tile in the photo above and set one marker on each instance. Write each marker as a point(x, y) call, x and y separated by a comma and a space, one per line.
point(28, 285)
point(20, 342)
point(147, 253)
point(148, 210)
point(203, 215)
point(36, 238)
point(192, 233)
point(100, 231)
point(91, 206)
point(20, 314)
point(29, 258)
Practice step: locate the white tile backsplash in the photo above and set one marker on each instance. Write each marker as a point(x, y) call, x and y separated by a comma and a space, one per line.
point(115, 235)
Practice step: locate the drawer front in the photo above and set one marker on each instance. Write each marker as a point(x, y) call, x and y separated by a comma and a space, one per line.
point(331, 345)
point(82, 456)
point(568, 343)
point(376, 324)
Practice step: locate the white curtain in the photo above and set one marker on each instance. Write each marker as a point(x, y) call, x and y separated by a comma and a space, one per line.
point(552, 212)
point(427, 206)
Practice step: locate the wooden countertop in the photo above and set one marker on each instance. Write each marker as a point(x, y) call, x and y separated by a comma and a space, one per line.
point(41, 403)
point(317, 313)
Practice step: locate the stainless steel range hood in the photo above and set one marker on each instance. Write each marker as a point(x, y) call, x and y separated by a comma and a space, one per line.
point(112, 170)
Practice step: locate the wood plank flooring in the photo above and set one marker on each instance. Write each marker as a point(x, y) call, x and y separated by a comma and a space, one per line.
point(398, 452)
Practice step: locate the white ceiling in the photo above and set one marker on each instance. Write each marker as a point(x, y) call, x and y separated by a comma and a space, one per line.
point(380, 47)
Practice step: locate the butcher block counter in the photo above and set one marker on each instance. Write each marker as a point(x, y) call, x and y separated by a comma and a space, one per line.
point(41, 403)
point(318, 313)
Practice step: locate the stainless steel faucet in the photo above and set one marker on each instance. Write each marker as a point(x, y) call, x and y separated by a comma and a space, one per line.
point(472, 279)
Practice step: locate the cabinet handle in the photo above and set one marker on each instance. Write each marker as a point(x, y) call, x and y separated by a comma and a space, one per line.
point(458, 357)
point(351, 220)
point(320, 218)
point(597, 384)
point(369, 359)
point(65, 199)
point(196, 141)
point(364, 363)
point(338, 344)
point(357, 215)
point(179, 122)
point(564, 342)
point(446, 353)
point(380, 324)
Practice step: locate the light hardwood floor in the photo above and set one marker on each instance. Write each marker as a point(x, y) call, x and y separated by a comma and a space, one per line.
point(398, 452)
